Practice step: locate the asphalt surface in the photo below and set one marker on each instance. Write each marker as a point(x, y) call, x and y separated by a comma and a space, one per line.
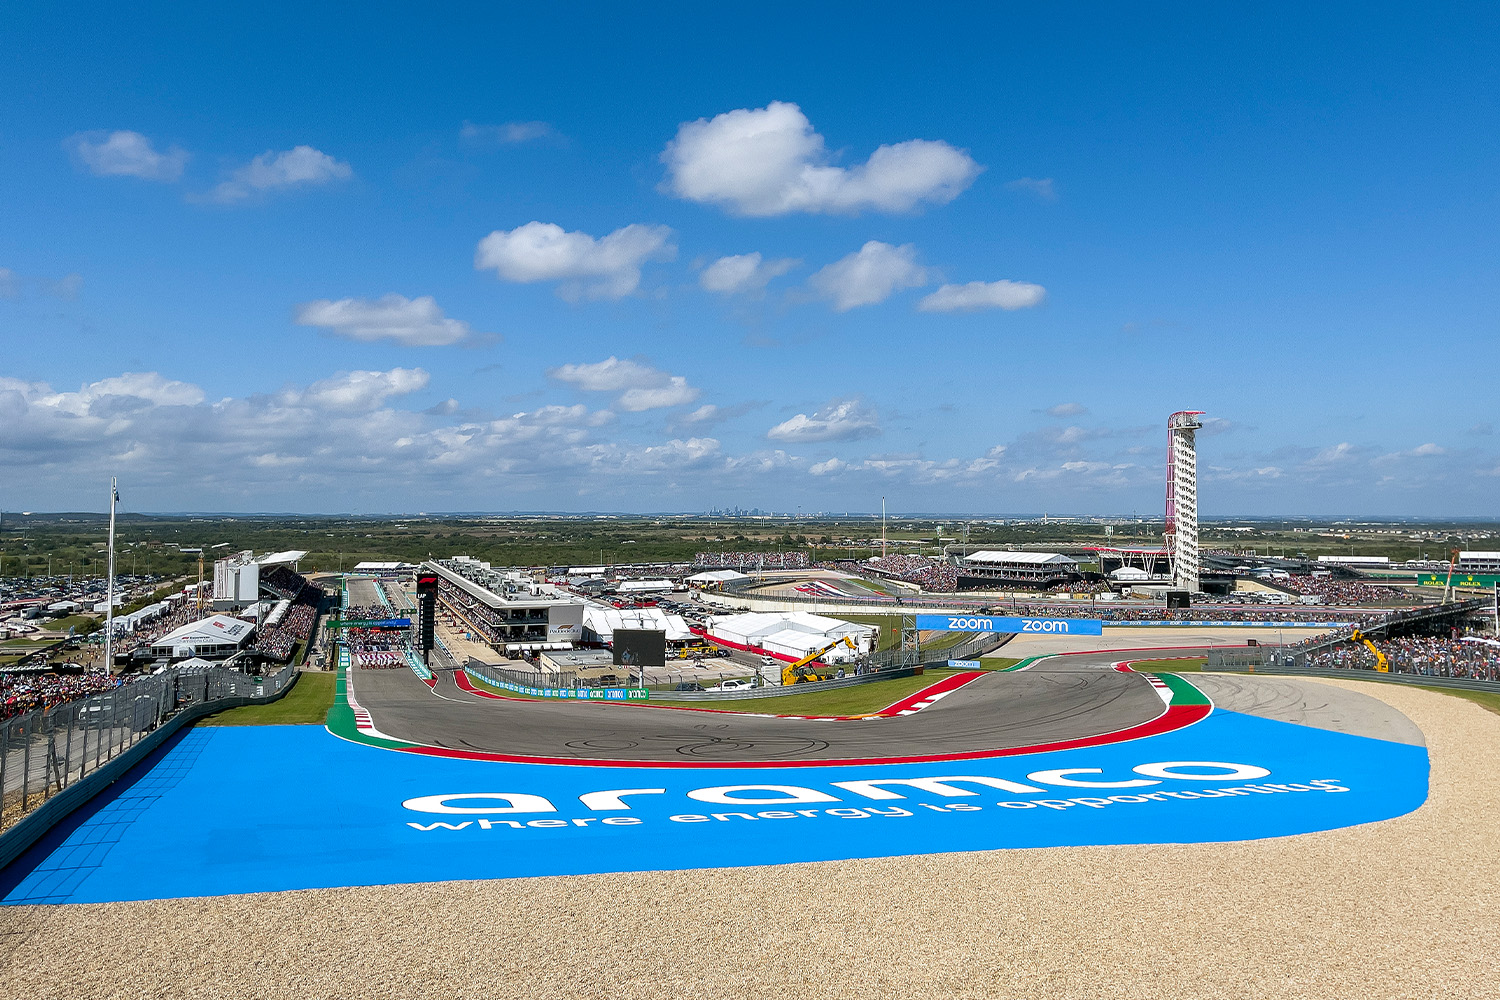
point(997, 711)
point(1064, 698)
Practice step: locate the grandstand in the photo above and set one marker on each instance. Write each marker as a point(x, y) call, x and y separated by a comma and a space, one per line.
point(991, 569)
point(747, 562)
point(504, 609)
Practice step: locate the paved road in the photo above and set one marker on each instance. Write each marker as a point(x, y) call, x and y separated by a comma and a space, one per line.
point(1000, 710)
point(1058, 699)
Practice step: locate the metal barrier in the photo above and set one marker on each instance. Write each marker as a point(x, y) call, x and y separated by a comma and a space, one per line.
point(782, 690)
point(1361, 674)
point(44, 751)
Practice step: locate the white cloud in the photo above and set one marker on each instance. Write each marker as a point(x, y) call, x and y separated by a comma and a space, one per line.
point(127, 154)
point(983, 295)
point(829, 467)
point(510, 133)
point(1042, 187)
point(675, 393)
point(415, 322)
point(706, 414)
point(743, 274)
point(869, 275)
point(641, 386)
point(360, 391)
point(840, 420)
point(605, 268)
point(9, 287)
point(769, 161)
point(301, 166)
point(1066, 410)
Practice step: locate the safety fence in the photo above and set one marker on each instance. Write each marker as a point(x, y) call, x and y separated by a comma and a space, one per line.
point(1299, 654)
point(1236, 662)
point(45, 751)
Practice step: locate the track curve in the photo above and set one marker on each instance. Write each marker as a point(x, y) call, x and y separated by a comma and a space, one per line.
point(1060, 701)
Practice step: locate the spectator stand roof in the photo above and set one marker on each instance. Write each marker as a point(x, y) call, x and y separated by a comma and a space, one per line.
point(1008, 557)
point(215, 630)
point(289, 558)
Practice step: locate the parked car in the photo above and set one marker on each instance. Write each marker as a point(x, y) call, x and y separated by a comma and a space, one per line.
point(735, 684)
point(689, 686)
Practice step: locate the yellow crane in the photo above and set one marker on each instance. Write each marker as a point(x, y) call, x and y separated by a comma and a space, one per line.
point(796, 673)
point(1381, 663)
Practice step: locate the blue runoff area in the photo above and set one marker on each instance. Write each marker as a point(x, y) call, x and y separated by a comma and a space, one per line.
point(235, 810)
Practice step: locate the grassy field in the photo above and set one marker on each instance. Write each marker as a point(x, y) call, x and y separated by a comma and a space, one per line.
point(855, 700)
point(1173, 666)
point(999, 662)
point(889, 636)
point(307, 703)
point(82, 623)
point(1489, 700)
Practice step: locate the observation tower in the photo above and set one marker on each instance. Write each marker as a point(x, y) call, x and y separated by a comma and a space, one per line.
point(1182, 498)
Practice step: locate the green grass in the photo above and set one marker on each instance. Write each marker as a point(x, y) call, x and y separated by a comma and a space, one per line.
point(855, 700)
point(306, 704)
point(999, 662)
point(28, 645)
point(1187, 664)
point(80, 622)
point(1488, 700)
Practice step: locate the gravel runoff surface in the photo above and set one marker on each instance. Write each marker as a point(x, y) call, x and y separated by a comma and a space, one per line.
point(1403, 908)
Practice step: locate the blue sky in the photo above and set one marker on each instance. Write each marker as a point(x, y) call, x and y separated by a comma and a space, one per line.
point(292, 258)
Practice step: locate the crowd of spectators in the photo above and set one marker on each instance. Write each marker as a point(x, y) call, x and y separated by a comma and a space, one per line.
point(284, 582)
point(22, 693)
point(375, 649)
point(746, 561)
point(1337, 591)
point(368, 613)
point(277, 641)
point(1432, 657)
point(181, 613)
point(932, 575)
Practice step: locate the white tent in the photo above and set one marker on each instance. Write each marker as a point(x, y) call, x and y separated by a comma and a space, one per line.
point(756, 628)
point(717, 576)
point(602, 621)
point(216, 636)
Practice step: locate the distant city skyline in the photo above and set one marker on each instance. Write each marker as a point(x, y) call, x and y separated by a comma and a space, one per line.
point(671, 260)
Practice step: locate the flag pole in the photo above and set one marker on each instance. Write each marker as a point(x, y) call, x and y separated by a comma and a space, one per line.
point(109, 595)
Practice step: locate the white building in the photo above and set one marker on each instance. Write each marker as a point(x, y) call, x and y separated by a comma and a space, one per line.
point(1479, 562)
point(792, 635)
point(215, 638)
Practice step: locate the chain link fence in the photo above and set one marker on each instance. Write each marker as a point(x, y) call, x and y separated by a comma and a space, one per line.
point(45, 750)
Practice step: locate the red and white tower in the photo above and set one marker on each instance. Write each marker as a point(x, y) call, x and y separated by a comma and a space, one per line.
point(1182, 498)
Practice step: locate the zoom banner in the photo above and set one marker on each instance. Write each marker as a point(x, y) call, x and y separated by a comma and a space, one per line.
point(1034, 626)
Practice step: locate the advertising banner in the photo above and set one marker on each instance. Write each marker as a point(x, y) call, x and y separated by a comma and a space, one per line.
point(1032, 626)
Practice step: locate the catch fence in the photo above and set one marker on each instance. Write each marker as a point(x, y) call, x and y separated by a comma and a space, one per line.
point(45, 750)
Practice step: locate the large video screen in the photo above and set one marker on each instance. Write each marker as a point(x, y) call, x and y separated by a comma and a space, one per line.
point(640, 647)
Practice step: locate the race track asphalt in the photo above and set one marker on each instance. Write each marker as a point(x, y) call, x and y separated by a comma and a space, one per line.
point(997, 711)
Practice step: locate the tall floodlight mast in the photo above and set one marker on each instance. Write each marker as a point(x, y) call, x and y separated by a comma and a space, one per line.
point(1182, 498)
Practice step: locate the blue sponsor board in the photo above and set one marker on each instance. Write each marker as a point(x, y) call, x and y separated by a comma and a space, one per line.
point(965, 664)
point(200, 823)
point(1034, 626)
point(582, 694)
